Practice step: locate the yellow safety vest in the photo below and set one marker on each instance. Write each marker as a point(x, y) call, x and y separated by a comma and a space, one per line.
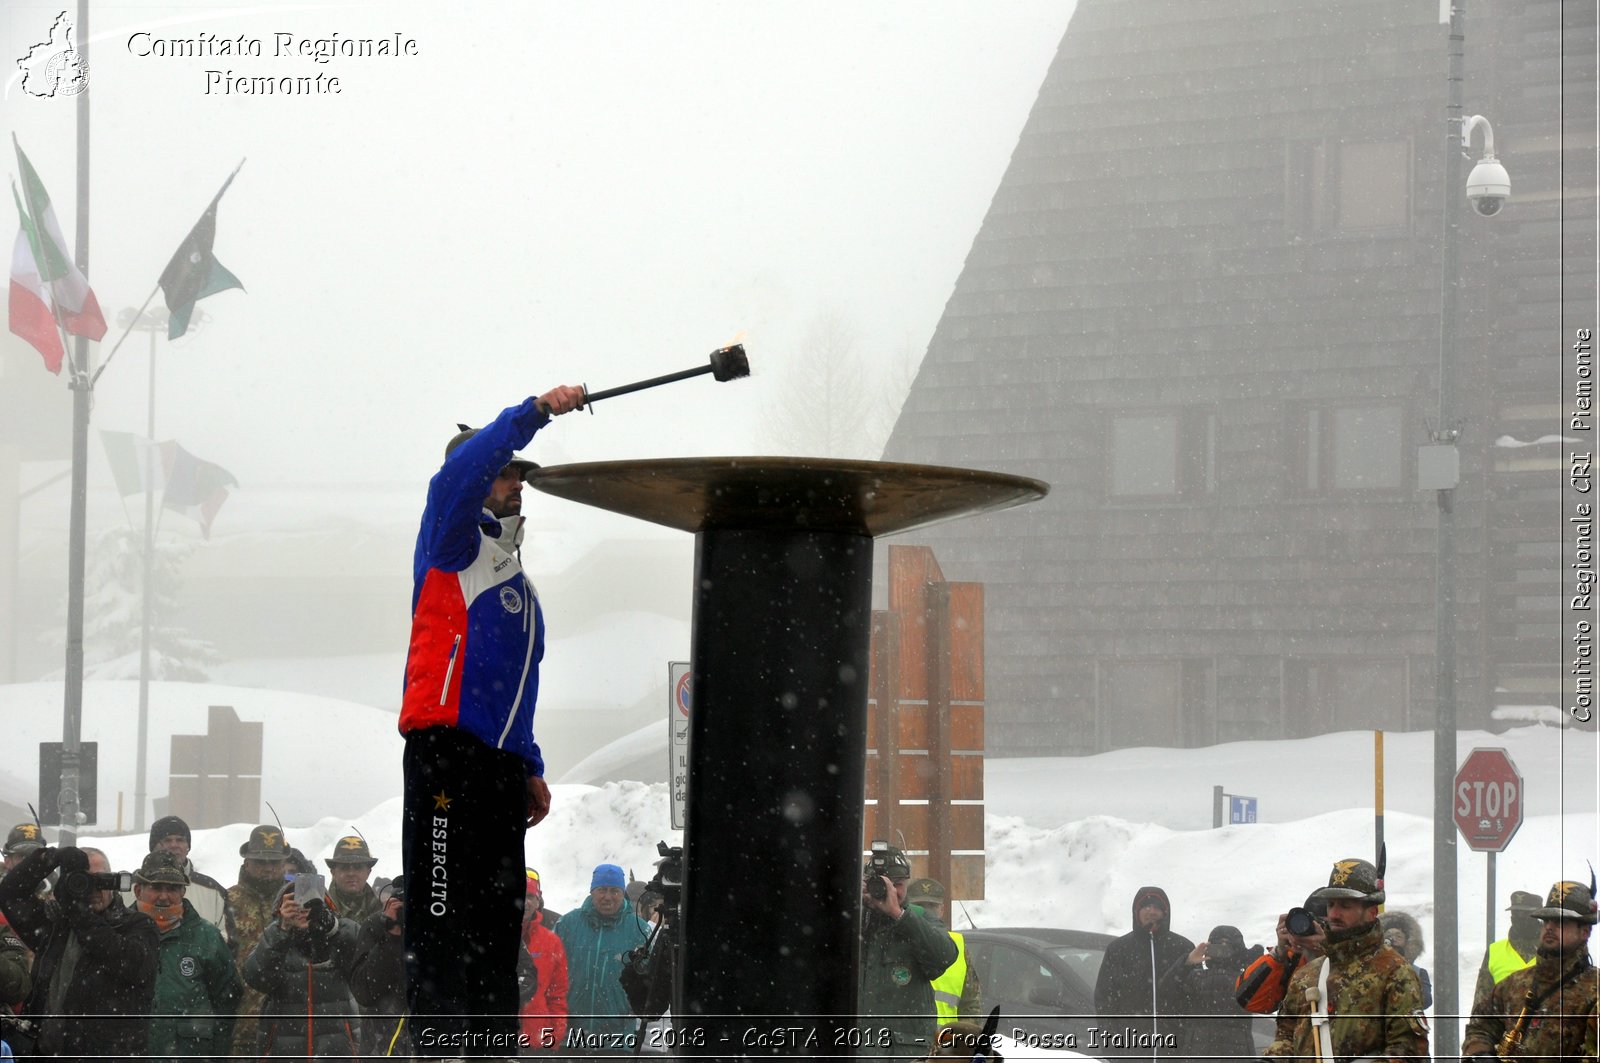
point(1505, 960)
point(947, 987)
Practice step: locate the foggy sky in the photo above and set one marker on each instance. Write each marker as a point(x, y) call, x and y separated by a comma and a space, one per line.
point(545, 193)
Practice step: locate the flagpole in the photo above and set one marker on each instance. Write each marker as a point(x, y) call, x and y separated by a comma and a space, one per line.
point(82, 386)
point(145, 589)
point(138, 314)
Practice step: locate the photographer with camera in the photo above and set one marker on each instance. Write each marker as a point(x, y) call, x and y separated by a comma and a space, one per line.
point(1216, 1027)
point(378, 974)
point(1264, 981)
point(302, 966)
point(95, 960)
point(1359, 998)
point(902, 953)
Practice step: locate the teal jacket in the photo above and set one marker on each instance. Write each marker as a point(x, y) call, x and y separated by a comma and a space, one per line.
point(600, 1018)
point(197, 991)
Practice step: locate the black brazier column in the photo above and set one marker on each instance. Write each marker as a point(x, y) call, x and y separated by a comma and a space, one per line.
point(777, 746)
point(782, 621)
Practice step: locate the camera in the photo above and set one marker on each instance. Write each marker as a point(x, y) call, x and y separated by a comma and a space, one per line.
point(1488, 187)
point(650, 972)
point(668, 880)
point(78, 884)
point(1302, 922)
point(879, 864)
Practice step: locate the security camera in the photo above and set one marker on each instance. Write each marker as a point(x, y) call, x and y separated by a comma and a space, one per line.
point(1488, 187)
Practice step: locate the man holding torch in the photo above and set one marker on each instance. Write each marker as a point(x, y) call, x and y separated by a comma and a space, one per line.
point(474, 776)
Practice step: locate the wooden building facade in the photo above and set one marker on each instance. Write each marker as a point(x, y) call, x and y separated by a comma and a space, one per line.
point(1205, 306)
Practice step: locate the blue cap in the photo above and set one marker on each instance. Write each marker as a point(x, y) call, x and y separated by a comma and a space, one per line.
point(608, 875)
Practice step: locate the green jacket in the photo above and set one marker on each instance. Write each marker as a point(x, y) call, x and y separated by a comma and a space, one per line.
point(1561, 1028)
point(1374, 1001)
point(197, 990)
point(899, 958)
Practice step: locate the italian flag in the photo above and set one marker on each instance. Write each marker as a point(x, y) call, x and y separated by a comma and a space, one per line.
point(30, 307)
point(44, 279)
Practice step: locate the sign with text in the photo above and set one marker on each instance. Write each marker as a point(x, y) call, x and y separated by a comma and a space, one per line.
point(678, 739)
point(1488, 800)
point(1241, 809)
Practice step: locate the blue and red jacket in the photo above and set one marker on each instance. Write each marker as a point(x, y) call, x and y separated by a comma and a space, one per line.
point(477, 633)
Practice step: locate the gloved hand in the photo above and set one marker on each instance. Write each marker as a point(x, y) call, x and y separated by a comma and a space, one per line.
point(319, 920)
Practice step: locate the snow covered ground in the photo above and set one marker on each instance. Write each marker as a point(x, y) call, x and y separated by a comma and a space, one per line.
point(1068, 840)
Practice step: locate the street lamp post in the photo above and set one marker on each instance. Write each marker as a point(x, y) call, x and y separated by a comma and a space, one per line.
point(153, 322)
point(1488, 188)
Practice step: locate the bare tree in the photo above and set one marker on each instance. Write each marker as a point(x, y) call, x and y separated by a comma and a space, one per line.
point(827, 407)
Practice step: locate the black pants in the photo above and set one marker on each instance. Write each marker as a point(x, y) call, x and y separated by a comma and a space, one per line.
point(462, 833)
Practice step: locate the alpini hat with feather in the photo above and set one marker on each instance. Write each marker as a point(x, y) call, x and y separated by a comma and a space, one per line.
point(1353, 880)
point(266, 842)
point(23, 838)
point(1569, 900)
point(351, 849)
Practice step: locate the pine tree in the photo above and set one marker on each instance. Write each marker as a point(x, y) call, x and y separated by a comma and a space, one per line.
point(112, 611)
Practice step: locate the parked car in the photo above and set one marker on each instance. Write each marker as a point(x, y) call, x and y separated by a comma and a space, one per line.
point(1043, 980)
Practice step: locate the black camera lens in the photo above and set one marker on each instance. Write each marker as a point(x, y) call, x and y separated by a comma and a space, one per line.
point(1300, 922)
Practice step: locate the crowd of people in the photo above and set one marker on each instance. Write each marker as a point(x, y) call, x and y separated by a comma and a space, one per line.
point(286, 962)
point(1343, 981)
point(289, 962)
point(173, 966)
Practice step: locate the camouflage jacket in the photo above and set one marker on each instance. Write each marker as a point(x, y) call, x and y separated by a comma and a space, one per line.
point(1374, 1003)
point(357, 906)
point(253, 905)
point(1562, 1027)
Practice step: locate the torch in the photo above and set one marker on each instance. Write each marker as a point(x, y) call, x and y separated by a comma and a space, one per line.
point(728, 363)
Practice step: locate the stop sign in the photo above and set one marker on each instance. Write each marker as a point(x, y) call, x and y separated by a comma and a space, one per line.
point(1488, 800)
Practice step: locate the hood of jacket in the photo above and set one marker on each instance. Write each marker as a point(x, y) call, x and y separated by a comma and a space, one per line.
point(1139, 898)
point(1415, 946)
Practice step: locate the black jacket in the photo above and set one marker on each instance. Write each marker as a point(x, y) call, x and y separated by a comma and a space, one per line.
point(1139, 977)
point(86, 963)
point(305, 976)
point(378, 982)
point(1214, 1025)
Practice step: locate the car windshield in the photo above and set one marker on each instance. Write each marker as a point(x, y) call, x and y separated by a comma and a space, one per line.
point(1081, 960)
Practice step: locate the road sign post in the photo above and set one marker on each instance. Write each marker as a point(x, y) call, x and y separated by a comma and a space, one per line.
point(1488, 810)
point(678, 739)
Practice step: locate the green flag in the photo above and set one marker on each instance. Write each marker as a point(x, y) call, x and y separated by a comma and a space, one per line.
point(194, 272)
